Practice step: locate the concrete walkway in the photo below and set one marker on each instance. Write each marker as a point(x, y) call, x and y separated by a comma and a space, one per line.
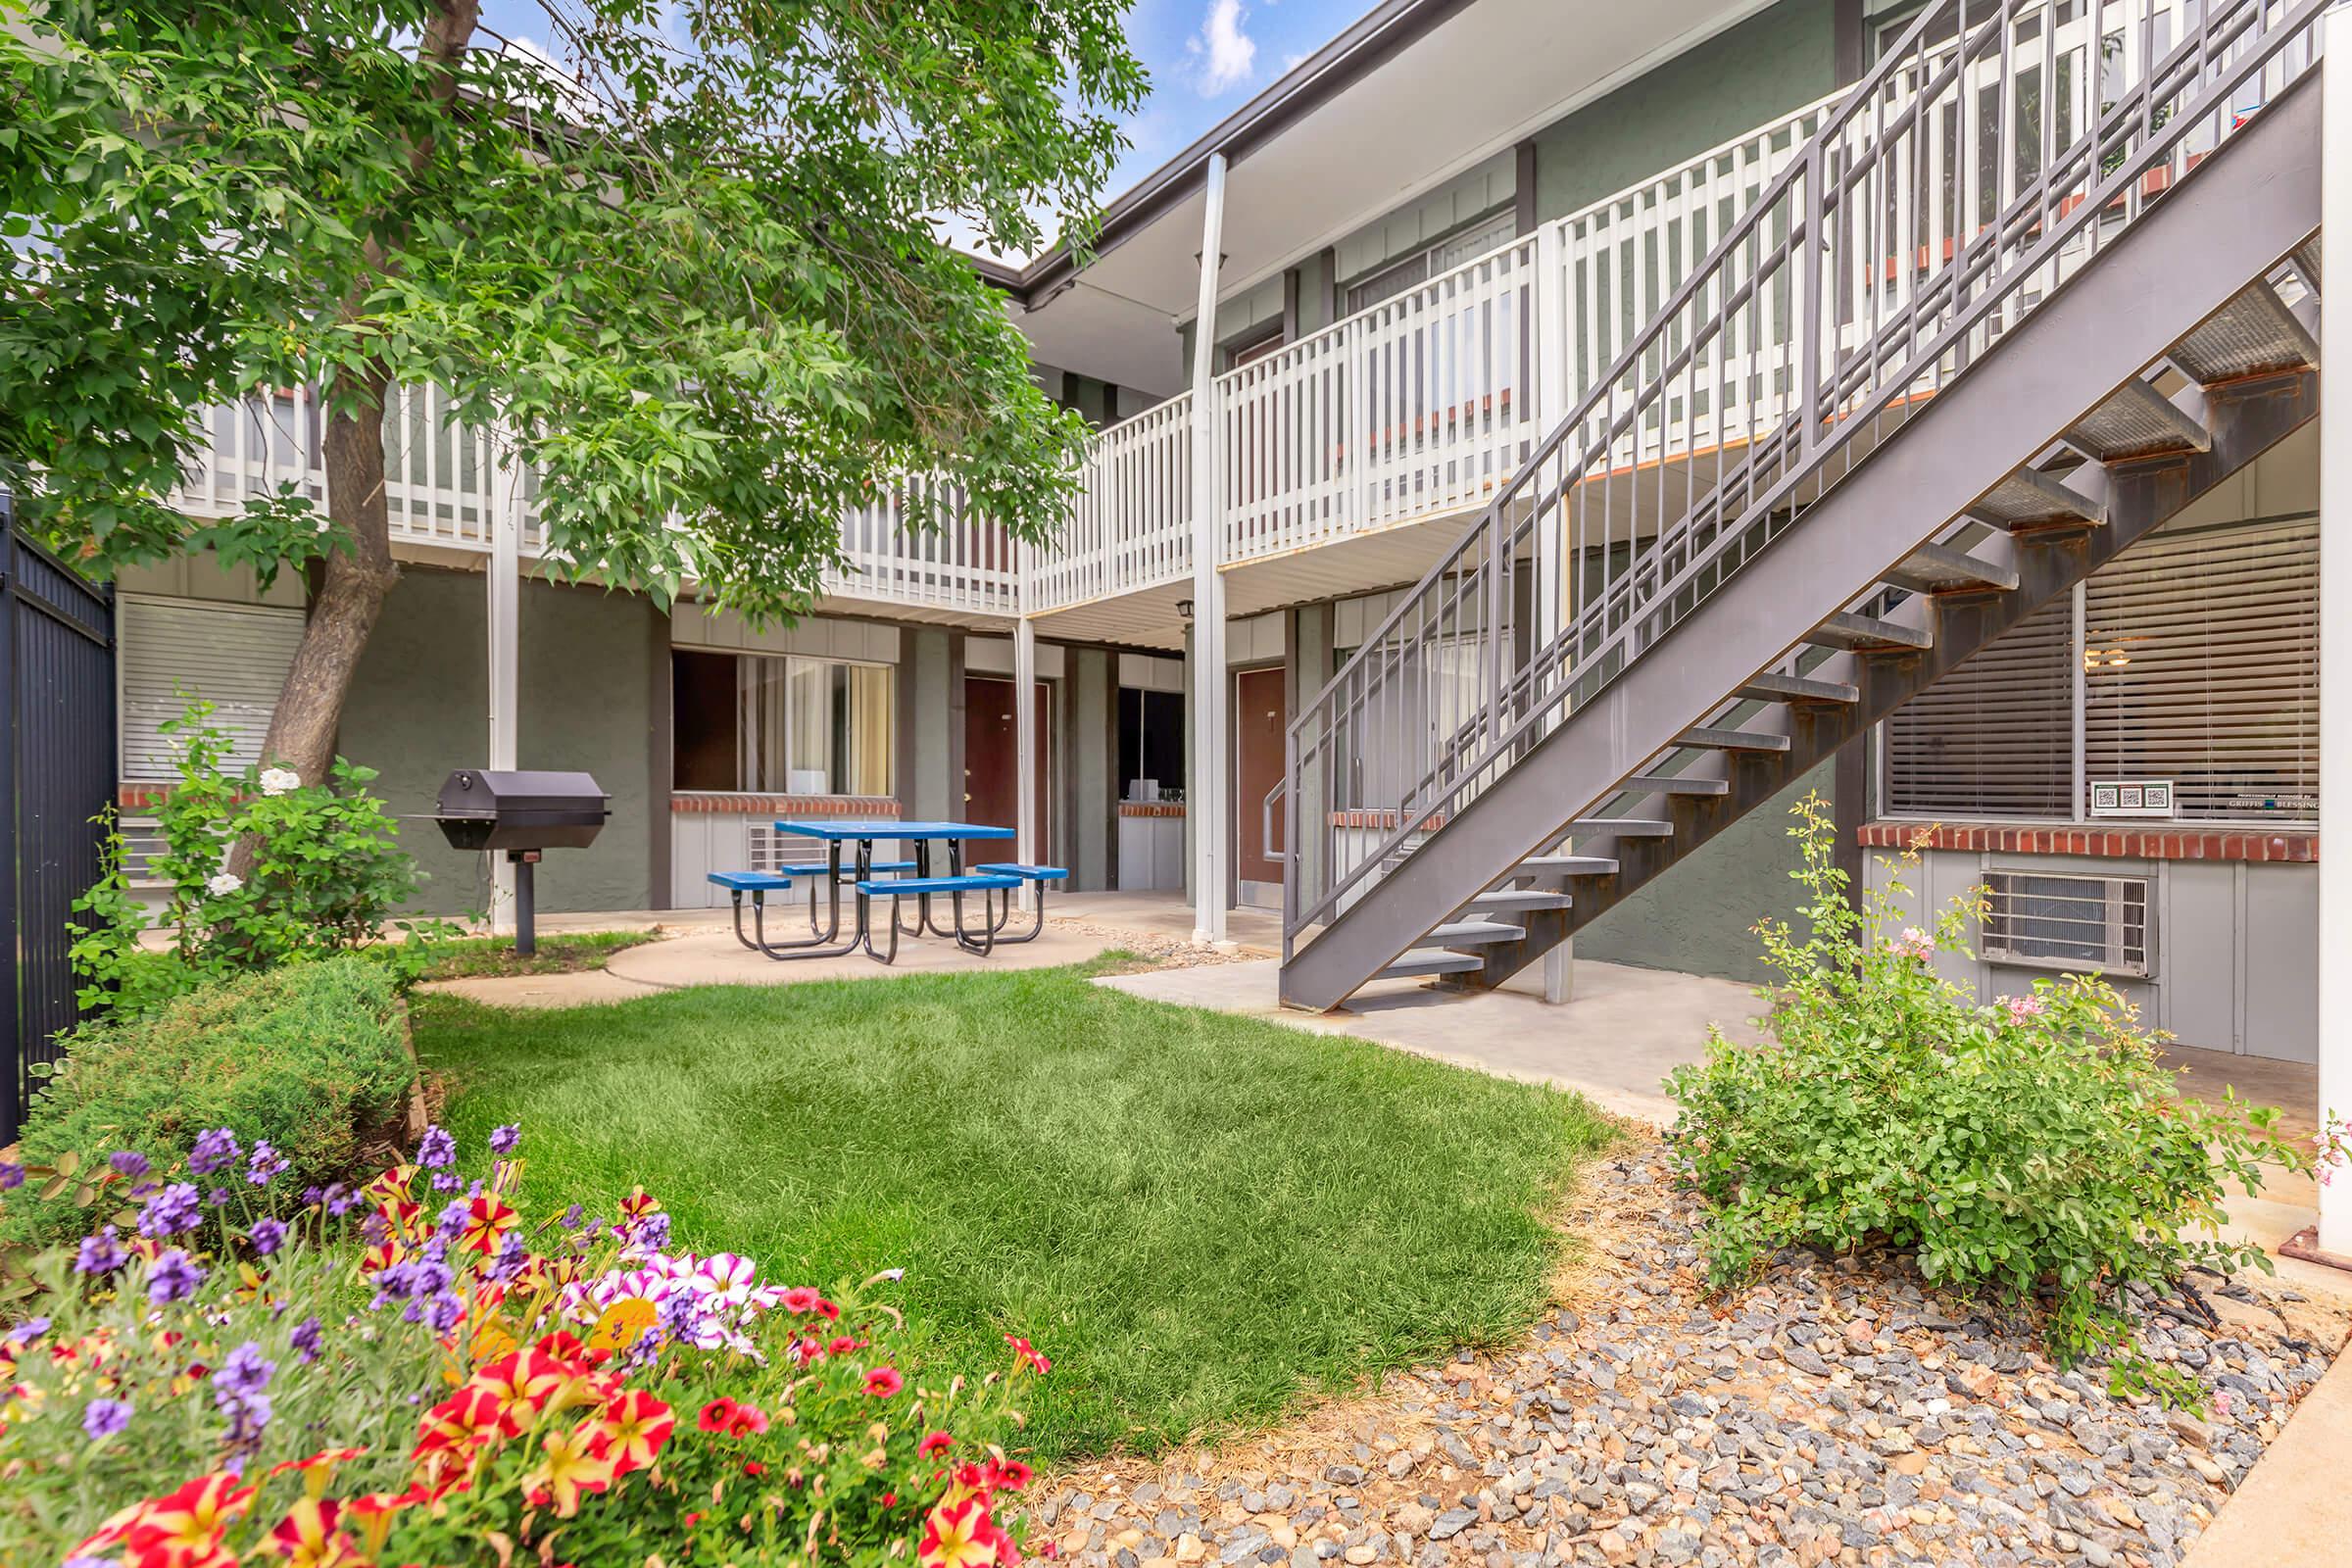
point(1614, 1042)
point(2294, 1509)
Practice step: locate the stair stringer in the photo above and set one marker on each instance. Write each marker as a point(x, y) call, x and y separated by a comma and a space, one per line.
point(2249, 207)
point(2246, 420)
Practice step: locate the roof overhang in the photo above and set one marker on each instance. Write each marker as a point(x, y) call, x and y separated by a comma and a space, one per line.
point(1414, 93)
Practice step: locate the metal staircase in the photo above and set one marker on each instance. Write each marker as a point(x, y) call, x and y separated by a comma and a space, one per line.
point(1933, 374)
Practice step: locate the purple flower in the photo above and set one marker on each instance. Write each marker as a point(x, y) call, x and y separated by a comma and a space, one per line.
point(100, 1254)
point(437, 1150)
point(170, 1211)
point(572, 1217)
point(268, 1234)
point(313, 1195)
point(445, 1311)
point(503, 1139)
point(102, 1418)
point(245, 1372)
point(375, 1230)
point(172, 1277)
point(128, 1162)
point(339, 1199)
point(263, 1164)
point(217, 1198)
point(651, 1233)
point(306, 1340)
point(33, 1328)
point(451, 1223)
point(213, 1150)
point(12, 1175)
point(447, 1181)
point(513, 1252)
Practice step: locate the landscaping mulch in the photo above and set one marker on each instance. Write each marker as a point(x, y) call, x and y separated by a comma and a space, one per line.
point(1154, 950)
point(1836, 1412)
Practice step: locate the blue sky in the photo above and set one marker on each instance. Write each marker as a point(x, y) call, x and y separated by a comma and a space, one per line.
point(1207, 58)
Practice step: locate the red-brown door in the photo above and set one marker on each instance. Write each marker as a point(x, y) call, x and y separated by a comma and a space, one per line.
point(992, 787)
point(1260, 714)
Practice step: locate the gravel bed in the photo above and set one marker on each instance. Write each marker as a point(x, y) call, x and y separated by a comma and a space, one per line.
point(1165, 952)
point(1836, 1412)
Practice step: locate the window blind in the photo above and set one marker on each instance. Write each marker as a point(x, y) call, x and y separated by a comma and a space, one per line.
point(2201, 666)
point(1994, 738)
point(232, 656)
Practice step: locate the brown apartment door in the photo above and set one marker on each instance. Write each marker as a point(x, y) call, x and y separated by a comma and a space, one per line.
point(1261, 713)
point(992, 788)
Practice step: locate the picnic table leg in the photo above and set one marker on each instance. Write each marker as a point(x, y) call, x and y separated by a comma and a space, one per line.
point(1035, 925)
point(983, 943)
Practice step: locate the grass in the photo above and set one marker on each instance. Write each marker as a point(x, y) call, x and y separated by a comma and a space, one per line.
point(1200, 1217)
point(467, 958)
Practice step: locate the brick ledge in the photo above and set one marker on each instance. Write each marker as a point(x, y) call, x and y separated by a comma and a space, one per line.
point(2165, 841)
point(720, 804)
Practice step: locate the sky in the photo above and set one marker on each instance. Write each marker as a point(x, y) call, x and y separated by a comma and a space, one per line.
point(1206, 58)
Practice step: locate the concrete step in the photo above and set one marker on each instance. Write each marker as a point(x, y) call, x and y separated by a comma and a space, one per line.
point(1623, 827)
point(1774, 687)
point(1417, 965)
point(2031, 499)
point(1941, 570)
point(1510, 899)
point(1732, 740)
point(1469, 934)
point(2137, 421)
point(1868, 634)
point(2254, 335)
point(1676, 784)
point(1565, 865)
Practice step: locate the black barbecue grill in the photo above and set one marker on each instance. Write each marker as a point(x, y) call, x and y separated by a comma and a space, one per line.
point(520, 813)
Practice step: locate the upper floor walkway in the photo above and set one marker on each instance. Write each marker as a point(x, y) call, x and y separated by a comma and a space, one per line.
point(1345, 460)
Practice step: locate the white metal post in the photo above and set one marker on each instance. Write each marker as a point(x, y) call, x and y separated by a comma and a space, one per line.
point(2335, 616)
point(504, 588)
point(1024, 737)
point(1551, 540)
point(1209, 782)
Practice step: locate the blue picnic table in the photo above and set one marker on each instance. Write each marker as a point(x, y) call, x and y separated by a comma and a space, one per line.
point(861, 834)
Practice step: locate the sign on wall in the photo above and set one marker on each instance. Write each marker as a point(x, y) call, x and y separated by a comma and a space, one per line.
point(2131, 797)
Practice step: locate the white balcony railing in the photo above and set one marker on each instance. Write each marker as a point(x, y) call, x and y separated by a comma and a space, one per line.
point(1421, 407)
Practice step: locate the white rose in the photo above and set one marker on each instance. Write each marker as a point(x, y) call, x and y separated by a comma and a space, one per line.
point(222, 884)
point(278, 780)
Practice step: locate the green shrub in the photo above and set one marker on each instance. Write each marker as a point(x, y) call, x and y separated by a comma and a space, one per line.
point(2032, 1148)
point(312, 1057)
point(325, 875)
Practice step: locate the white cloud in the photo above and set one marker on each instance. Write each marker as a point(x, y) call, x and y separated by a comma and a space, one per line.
point(1222, 54)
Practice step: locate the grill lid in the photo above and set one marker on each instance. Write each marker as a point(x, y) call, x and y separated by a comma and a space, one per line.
point(522, 795)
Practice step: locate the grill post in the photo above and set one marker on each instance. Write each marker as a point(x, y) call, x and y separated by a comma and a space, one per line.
point(526, 866)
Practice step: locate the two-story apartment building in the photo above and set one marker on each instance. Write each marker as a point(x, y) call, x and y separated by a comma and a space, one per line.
point(1323, 342)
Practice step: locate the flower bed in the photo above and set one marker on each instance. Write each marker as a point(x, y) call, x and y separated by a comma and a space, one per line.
point(415, 1372)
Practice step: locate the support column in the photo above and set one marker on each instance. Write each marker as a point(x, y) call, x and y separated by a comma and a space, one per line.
point(1208, 783)
point(505, 592)
point(1024, 739)
point(2335, 616)
point(1551, 541)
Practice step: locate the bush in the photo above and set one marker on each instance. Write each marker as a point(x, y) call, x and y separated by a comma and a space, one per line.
point(312, 1057)
point(2032, 1148)
point(326, 875)
point(418, 1373)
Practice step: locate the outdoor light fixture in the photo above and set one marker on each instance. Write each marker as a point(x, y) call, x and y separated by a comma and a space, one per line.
point(1184, 607)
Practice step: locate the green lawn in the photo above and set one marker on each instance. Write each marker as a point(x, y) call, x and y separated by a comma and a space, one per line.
point(1198, 1216)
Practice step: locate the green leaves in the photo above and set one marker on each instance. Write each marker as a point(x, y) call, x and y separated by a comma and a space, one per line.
point(2036, 1151)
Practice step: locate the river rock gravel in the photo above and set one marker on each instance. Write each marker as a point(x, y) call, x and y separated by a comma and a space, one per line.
point(1836, 1412)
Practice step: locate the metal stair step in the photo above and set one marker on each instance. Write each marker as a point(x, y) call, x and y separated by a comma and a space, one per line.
point(1469, 933)
point(1565, 865)
point(2307, 261)
point(1623, 827)
point(1676, 784)
point(1710, 738)
point(2137, 421)
point(1775, 687)
point(2254, 335)
point(1416, 965)
point(1867, 634)
point(2028, 497)
point(1941, 569)
point(1520, 899)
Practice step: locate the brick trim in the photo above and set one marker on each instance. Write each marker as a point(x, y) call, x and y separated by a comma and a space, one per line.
point(1151, 808)
point(1382, 818)
point(2104, 839)
point(732, 804)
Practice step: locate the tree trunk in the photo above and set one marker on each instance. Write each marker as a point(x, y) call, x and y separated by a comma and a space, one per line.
point(353, 586)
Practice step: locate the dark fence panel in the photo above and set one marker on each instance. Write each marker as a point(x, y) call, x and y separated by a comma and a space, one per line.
point(56, 772)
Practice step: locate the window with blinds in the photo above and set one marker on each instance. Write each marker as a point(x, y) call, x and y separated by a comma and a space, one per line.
point(1995, 736)
point(173, 650)
point(2200, 657)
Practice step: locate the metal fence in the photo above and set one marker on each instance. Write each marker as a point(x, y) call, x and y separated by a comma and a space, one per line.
point(56, 772)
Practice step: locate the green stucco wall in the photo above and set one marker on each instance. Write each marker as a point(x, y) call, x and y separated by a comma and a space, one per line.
point(590, 692)
point(1695, 918)
point(1766, 66)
